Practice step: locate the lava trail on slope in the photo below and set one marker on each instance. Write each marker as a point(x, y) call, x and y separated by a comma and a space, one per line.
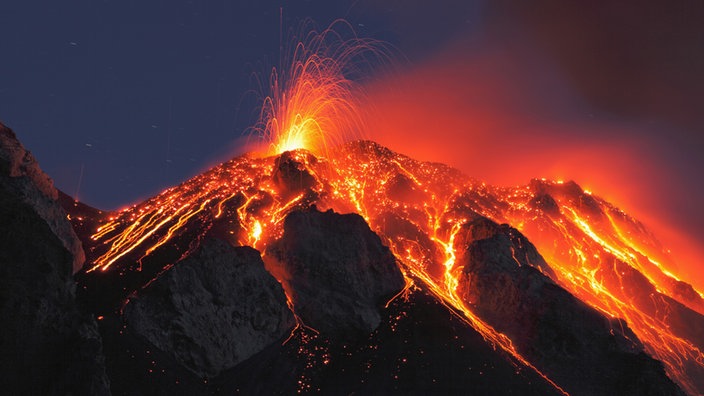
point(428, 215)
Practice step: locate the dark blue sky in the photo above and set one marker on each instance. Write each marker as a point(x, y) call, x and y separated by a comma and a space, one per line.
point(138, 95)
point(143, 94)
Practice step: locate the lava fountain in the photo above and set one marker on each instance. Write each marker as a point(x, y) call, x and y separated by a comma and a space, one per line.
point(313, 102)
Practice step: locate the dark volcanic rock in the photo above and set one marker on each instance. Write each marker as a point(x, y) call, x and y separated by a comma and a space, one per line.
point(47, 345)
point(420, 348)
point(546, 203)
point(579, 348)
point(290, 173)
point(84, 219)
point(336, 270)
point(514, 249)
point(23, 177)
point(212, 310)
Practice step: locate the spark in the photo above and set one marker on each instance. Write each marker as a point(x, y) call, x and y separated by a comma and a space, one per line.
point(313, 103)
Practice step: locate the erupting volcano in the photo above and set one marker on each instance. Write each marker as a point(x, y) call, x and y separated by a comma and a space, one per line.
point(435, 220)
point(392, 275)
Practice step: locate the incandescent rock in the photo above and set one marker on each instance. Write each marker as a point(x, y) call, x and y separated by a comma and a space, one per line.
point(48, 346)
point(212, 310)
point(336, 270)
point(578, 347)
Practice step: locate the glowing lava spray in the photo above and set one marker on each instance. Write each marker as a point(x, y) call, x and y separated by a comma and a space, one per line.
point(313, 102)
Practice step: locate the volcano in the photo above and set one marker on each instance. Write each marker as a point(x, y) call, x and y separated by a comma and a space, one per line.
point(359, 270)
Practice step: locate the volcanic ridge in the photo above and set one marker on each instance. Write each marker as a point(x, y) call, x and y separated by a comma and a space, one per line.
point(358, 271)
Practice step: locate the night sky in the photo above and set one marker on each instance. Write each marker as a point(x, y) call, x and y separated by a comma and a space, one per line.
point(120, 99)
point(144, 94)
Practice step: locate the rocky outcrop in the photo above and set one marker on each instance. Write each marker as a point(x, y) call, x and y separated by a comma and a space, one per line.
point(335, 269)
point(48, 346)
point(24, 178)
point(291, 175)
point(212, 310)
point(581, 349)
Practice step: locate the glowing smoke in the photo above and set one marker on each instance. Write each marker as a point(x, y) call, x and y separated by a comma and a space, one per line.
point(503, 113)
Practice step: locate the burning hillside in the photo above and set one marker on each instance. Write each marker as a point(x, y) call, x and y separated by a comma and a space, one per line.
point(433, 219)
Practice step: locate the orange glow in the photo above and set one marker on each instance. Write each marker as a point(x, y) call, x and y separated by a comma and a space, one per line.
point(599, 253)
point(312, 104)
point(486, 113)
point(585, 242)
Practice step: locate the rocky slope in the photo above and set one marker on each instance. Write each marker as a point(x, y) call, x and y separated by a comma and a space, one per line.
point(583, 350)
point(31, 185)
point(49, 346)
point(213, 310)
point(183, 311)
point(335, 269)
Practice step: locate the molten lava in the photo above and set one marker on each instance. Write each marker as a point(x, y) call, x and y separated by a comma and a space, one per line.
point(595, 251)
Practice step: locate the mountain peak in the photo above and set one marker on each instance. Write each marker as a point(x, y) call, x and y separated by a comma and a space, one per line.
point(557, 235)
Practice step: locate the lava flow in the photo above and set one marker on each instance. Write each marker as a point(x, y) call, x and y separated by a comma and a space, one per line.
point(595, 251)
